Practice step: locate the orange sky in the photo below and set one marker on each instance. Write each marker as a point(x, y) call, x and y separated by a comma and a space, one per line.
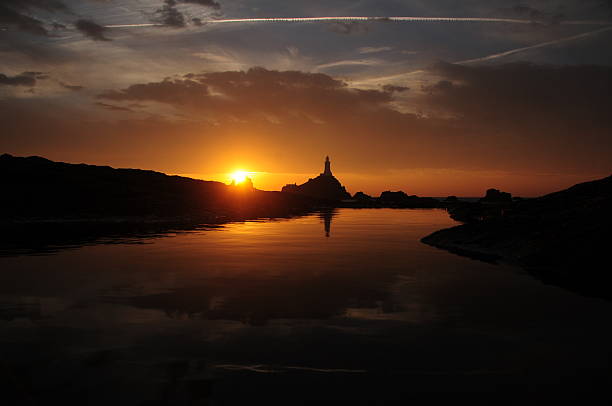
point(430, 109)
point(432, 182)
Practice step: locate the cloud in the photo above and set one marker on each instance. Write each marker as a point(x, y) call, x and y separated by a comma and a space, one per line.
point(23, 79)
point(170, 16)
point(112, 107)
point(393, 88)
point(91, 30)
point(23, 22)
point(205, 3)
point(527, 96)
point(15, 12)
point(255, 92)
point(49, 5)
point(371, 50)
point(74, 88)
point(350, 62)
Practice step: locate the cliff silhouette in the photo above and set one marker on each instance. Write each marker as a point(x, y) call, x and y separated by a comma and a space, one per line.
point(562, 237)
point(36, 188)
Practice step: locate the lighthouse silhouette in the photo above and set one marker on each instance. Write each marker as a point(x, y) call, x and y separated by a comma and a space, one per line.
point(327, 171)
point(324, 186)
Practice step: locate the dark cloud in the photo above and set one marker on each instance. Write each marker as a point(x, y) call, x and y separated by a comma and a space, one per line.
point(112, 107)
point(205, 3)
point(515, 115)
point(517, 98)
point(393, 88)
point(91, 30)
point(524, 95)
point(16, 13)
point(50, 5)
point(169, 15)
point(23, 22)
point(256, 91)
point(74, 88)
point(23, 79)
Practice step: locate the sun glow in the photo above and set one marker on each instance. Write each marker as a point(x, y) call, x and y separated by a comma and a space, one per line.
point(239, 176)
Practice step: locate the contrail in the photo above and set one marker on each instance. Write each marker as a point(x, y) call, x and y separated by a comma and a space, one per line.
point(353, 18)
point(489, 57)
point(376, 18)
point(401, 19)
point(540, 45)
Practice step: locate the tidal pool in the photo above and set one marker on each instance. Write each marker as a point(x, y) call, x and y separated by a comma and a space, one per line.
point(343, 305)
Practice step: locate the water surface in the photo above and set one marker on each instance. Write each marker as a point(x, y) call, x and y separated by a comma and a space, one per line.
point(342, 305)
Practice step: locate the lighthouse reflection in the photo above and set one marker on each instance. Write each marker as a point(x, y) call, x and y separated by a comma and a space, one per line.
point(326, 216)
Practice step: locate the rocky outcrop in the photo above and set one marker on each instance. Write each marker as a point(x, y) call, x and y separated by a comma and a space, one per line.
point(494, 204)
point(400, 199)
point(325, 186)
point(563, 235)
point(496, 196)
point(322, 187)
point(360, 196)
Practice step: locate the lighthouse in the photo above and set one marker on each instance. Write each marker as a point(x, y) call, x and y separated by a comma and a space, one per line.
point(325, 186)
point(327, 171)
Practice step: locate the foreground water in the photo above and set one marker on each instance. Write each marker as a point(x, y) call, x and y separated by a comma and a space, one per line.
point(344, 305)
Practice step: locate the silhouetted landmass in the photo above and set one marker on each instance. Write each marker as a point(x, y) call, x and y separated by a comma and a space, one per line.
point(492, 205)
point(395, 200)
point(562, 237)
point(37, 189)
point(324, 186)
point(327, 187)
point(496, 196)
point(362, 197)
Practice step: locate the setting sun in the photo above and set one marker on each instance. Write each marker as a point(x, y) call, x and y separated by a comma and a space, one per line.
point(239, 176)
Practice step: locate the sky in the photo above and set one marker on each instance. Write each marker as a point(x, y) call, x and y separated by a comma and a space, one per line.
point(433, 108)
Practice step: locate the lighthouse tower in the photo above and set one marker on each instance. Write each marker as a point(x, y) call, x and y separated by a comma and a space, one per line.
point(327, 171)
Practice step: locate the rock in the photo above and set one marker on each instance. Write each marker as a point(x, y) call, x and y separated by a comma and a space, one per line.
point(324, 186)
point(496, 196)
point(563, 236)
point(360, 196)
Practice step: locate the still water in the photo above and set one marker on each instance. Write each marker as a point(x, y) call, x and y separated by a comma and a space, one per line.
point(343, 305)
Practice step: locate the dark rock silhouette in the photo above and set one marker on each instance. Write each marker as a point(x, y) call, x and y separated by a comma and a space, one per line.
point(400, 199)
point(36, 189)
point(562, 237)
point(492, 205)
point(324, 186)
point(451, 199)
point(360, 196)
point(388, 199)
point(496, 196)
